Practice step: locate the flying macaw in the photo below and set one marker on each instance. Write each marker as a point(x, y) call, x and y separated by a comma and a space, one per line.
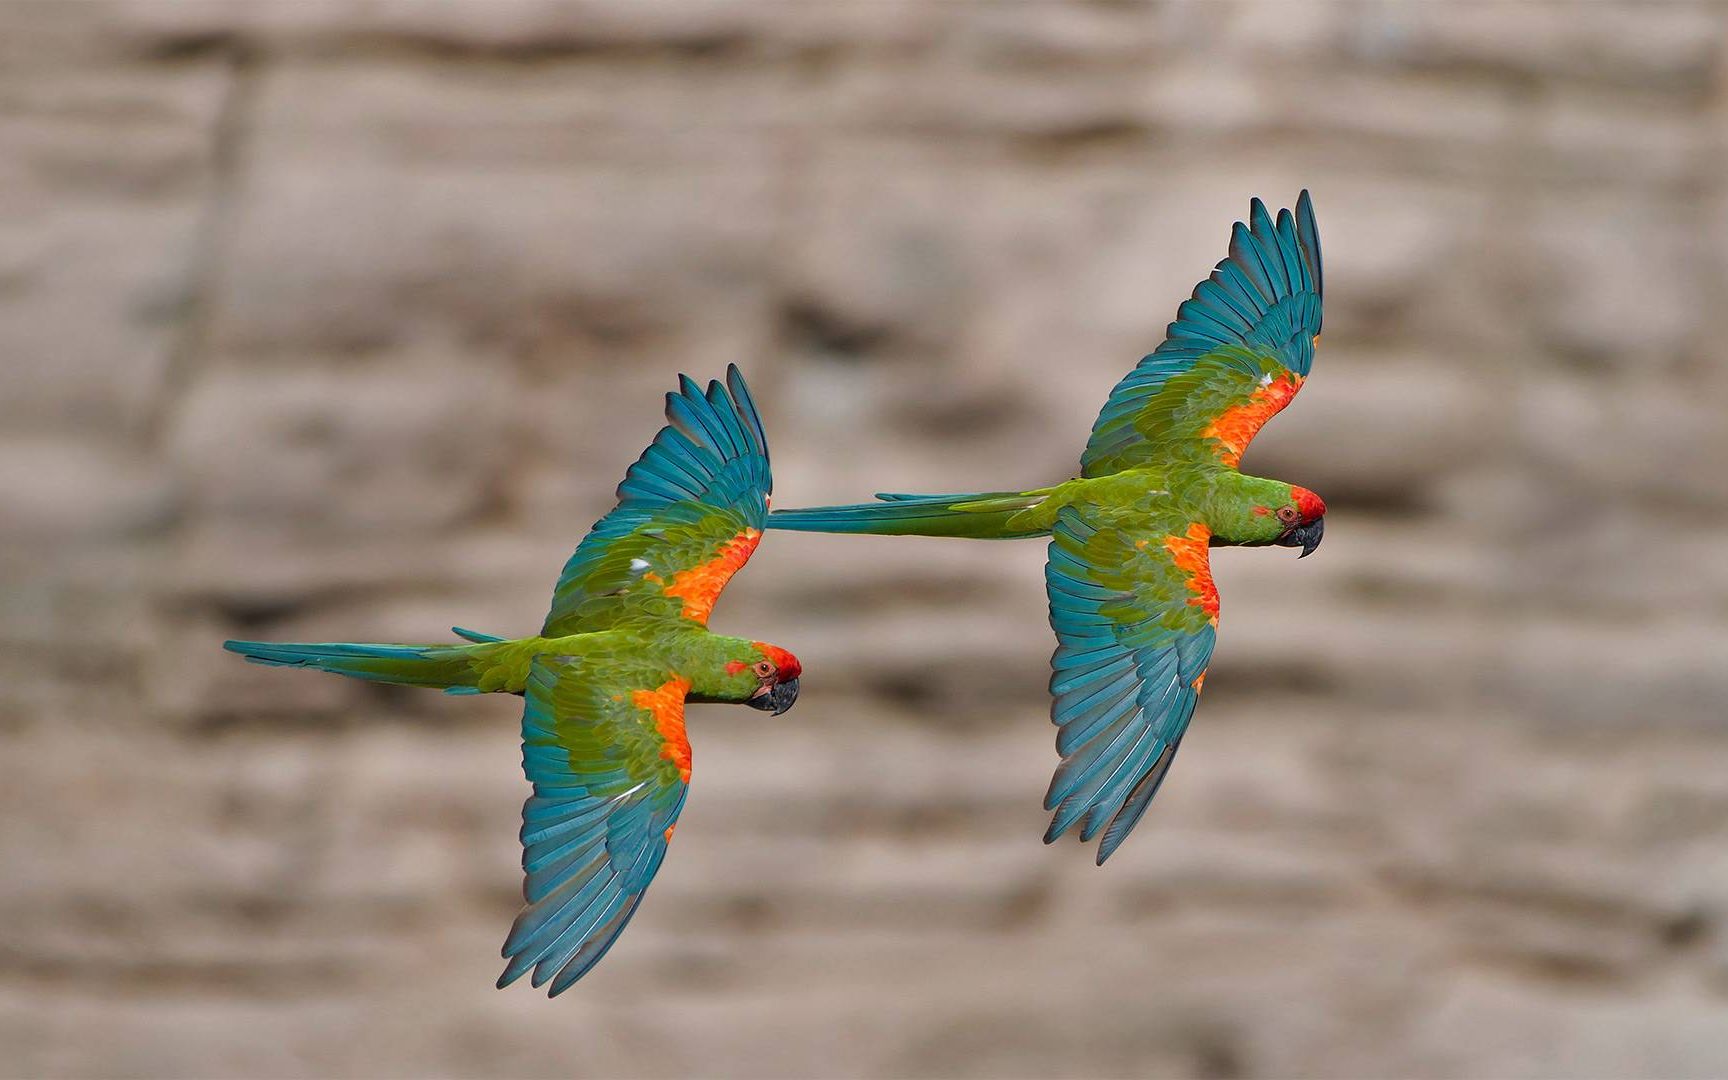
point(625, 645)
point(1129, 580)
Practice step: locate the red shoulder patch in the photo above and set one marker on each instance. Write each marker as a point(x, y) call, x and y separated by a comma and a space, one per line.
point(1190, 556)
point(665, 703)
point(699, 587)
point(1235, 427)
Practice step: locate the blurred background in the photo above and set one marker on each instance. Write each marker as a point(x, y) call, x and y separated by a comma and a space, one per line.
point(342, 320)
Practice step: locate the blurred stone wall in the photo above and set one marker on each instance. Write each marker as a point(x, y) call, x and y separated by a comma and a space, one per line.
point(342, 320)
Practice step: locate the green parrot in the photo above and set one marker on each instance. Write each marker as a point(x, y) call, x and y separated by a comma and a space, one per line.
point(625, 645)
point(1128, 575)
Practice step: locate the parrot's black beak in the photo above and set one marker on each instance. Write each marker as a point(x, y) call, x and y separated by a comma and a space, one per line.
point(775, 699)
point(1307, 537)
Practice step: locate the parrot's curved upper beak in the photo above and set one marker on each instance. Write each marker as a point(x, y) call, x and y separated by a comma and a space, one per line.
point(775, 699)
point(1307, 537)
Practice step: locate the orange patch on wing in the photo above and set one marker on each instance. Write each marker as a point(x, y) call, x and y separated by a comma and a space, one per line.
point(699, 587)
point(1199, 682)
point(665, 703)
point(669, 829)
point(1236, 426)
point(1189, 554)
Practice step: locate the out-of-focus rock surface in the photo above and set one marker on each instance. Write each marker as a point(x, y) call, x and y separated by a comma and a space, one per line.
point(334, 320)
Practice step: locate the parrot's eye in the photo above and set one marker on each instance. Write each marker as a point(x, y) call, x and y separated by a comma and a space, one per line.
point(763, 669)
point(1288, 515)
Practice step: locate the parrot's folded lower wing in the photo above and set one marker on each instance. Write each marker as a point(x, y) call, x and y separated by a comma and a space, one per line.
point(1135, 612)
point(604, 746)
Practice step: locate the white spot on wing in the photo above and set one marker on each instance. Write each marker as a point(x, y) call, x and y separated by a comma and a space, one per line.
point(1266, 379)
point(638, 565)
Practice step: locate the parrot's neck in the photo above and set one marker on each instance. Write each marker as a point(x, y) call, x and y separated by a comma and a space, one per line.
point(1241, 510)
point(719, 668)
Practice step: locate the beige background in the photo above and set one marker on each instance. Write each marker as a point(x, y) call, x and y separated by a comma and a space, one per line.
point(342, 320)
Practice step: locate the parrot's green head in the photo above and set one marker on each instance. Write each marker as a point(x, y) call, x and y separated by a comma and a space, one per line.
point(762, 676)
point(1282, 514)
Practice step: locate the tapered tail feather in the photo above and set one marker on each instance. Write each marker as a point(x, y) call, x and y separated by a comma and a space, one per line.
point(444, 667)
point(980, 516)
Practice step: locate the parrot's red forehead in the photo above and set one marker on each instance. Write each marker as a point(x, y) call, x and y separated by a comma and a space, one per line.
point(788, 665)
point(1308, 504)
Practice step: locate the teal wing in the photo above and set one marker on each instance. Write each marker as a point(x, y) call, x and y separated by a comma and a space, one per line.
point(1237, 353)
point(1135, 615)
point(604, 746)
point(690, 512)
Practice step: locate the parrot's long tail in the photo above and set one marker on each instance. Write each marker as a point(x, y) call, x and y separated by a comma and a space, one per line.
point(453, 668)
point(993, 515)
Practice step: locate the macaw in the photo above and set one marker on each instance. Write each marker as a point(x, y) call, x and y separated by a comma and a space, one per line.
point(1128, 576)
point(624, 647)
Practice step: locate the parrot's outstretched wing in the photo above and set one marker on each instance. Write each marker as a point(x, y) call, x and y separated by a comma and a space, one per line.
point(1135, 615)
point(1237, 353)
point(690, 512)
point(604, 746)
